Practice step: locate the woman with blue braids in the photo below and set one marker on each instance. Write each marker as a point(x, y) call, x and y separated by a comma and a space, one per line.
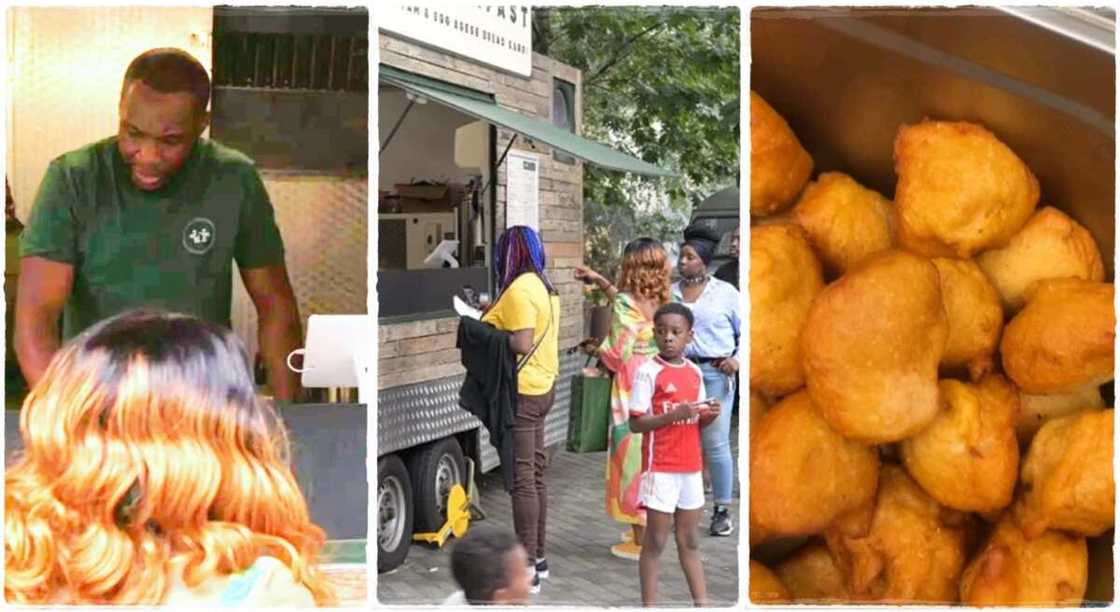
point(528, 306)
point(715, 348)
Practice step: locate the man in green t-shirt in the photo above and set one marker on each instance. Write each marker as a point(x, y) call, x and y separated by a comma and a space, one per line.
point(153, 217)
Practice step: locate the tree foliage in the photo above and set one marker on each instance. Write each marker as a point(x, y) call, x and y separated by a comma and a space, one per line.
point(662, 84)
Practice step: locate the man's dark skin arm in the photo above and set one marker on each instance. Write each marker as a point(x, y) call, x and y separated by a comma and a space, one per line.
point(44, 286)
point(278, 326)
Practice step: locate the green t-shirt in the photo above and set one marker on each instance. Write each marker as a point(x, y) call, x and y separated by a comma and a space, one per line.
point(171, 249)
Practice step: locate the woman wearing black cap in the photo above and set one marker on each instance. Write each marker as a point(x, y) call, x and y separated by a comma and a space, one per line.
point(715, 348)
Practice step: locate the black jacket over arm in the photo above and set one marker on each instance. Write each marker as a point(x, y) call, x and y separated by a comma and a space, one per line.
point(490, 389)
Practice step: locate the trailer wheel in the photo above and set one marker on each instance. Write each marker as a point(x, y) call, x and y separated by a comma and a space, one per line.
point(435, 468)
point(394, 513)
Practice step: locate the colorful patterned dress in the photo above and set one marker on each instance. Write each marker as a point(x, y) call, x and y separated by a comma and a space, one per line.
point(629, 345)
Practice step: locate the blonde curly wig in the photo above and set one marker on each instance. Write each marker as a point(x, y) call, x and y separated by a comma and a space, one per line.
point(145, 448)
point(645, 270)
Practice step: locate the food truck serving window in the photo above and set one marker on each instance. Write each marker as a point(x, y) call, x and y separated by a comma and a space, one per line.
point(436, 165)
point(432, 213)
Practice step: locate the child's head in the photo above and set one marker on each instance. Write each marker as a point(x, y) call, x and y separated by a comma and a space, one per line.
point(491, 567)
point(144, 443)
point(672, 329)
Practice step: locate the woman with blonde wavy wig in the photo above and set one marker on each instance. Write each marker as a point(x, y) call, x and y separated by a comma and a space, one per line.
point(643, 286)
point(152, 474)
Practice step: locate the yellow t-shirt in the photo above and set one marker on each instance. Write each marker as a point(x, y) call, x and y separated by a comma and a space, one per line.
point(524, 305)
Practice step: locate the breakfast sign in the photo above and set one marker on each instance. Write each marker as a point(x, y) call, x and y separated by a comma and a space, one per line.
point(500, 36)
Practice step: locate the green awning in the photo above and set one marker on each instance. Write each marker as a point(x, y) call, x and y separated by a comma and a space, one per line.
point(480, 106)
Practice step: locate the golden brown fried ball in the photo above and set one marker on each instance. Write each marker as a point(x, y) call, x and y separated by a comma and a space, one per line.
point(757, 535)
point(968, 457)
point(1011, 570)
point(765, 587)
point(785, 277)
point(1035, 410)
point(960, 190)
point(910, 554)
point(845, 222)
point(974, 314)
point(871, 348)
point(779, 164)
point(1067, 476)
point(1050, 245)
point(802, 473)
point(812, 576)
point(759, 406)
point(1063, 338)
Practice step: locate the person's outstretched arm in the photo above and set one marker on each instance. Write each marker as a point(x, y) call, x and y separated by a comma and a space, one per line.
point(43, 289)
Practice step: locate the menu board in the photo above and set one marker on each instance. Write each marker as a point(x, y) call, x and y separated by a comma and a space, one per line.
point(523, 189)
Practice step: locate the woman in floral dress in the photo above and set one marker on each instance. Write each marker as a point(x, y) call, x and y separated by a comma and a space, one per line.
point(643, 286)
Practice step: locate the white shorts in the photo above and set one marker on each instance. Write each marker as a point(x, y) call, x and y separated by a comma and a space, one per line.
point(671, 491)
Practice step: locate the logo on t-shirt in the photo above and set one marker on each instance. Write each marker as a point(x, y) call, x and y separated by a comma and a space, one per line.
point(198, 235)
point(670, 388)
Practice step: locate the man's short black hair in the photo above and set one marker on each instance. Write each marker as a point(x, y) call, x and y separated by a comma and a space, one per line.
point(479, 563)
point(170, 70)
point(675, 308)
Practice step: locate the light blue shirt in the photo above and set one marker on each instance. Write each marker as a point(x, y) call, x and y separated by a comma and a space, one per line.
point(716, 330)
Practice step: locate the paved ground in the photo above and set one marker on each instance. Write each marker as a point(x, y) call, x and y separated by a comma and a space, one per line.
point(580, 534)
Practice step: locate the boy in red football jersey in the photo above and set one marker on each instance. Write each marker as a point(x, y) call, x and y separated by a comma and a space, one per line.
point(667, 405)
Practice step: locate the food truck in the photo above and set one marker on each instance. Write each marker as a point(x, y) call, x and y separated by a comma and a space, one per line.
point(867, 71)
point(290, 90)
point(477, 133)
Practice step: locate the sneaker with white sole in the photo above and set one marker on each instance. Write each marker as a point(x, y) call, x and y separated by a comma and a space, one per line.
point(721, 522)
point(542, 568)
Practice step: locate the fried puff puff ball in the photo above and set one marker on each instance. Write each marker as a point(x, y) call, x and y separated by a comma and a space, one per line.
point(871, 348)
point(846, 223)
point(960, 190)
point(811, 575)
point(968, 457)
point(974, 314)
point(1050, 245)
point(1067, 476)
point(780, 166)
point(802, 473)
point(1012, 570)
point(785, 277)
point(911, 550)
point(1063, 339)
point(765, 587)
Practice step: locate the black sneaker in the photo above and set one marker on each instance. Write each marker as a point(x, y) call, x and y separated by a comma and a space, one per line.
point(721, 523)
point(542, 568)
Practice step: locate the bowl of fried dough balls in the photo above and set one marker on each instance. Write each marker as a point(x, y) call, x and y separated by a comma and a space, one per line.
point(926, 418)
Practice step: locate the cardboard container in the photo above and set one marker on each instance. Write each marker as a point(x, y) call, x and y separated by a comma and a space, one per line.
point(422, 192)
